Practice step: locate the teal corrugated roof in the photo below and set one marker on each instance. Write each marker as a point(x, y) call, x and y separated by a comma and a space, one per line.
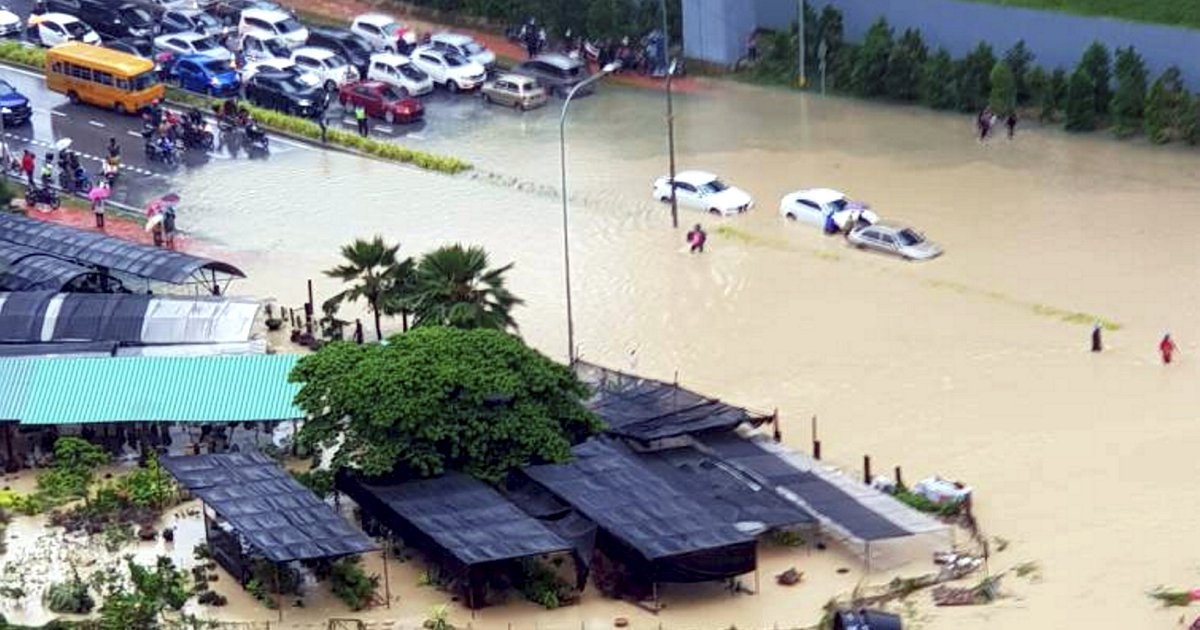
point(14, 383)
point(156, 389)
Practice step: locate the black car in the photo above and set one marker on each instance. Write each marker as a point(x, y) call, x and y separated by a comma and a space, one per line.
point(192, 21)
point(143, 48)
point(349, 46)
point(285, 92)
point(113, 20)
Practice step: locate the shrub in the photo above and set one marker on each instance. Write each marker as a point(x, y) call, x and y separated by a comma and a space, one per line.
point(1081, 106)
point(16, 53)
point(974, 82)
point(149, 486)
point(351, 584)
point(939, 86)
point(6, 194)
point(540, 585)
point(1189, 125)
point(1003, 98)
point(1039, 92)
point(212, 598)
point(869, 74)
point(1129, 102)
point(904, 66)
point(1165, 106)
point(1097, 64)
point(1020, 60)
point(1058, 90)
point(70, 597)
point(319, 481)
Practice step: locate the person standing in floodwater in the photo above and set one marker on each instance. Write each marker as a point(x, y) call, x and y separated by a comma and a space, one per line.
point(696, 238)
point(984, 123)
point(1097, 342)
point(1166, 347)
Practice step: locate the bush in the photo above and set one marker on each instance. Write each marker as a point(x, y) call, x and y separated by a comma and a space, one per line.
point(6, 194)
point(212, 598)
point(148, 486)
point(1081, 106)
point(1165, 106)
point(319, 481)
point(869, 75)
point(1039, 91)
point(939, 86)
point(351, 584)
point(1096, 63)
point(1020, 60)
point(1129, 102)
point(540, 585)
point(21, 55)
point(70, 597)
point(1003, 99)
point(1058, 90)
point(974, 82)
point(1189, 126)
point(904, 66)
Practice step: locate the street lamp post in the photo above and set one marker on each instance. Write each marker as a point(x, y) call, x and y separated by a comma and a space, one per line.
point(666, 33)
point(562, 152)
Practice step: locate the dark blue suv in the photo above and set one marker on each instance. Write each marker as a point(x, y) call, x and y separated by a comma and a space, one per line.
point(14, 107)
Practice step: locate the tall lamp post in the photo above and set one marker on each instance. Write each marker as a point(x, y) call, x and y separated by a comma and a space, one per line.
point(562, 152)
point(666, 39)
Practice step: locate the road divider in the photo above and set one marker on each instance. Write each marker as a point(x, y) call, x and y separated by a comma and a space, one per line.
point(292, 126)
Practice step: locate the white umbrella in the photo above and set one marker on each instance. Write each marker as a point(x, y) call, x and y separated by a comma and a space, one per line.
point(62, 144)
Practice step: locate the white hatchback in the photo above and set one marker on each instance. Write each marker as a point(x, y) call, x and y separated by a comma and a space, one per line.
point(53, 29)
point(184, 44)
point(465, 46)
point(824, 208)
point(703, 191)
point(273, 23)
point(399, 72)
point(450, 70)
point(384, 32)
point(330, 67)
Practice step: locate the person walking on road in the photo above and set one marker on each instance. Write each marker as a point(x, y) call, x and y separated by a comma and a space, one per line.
point(1011, 123)
point(696, 238)
point(360, 117)
point(1167, 348)
point(28, 165)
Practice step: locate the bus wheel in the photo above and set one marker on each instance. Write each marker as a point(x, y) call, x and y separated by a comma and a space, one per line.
point(73, 97)
point(119, 108)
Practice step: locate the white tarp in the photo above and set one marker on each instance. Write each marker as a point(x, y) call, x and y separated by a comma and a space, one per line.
point(177, 320)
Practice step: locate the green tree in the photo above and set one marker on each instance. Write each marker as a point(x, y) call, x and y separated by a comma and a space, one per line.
point(869, 73)
point(904, 66)
point(150, 593)
point(974, 81)
point(1129, 101)
point(1058, 91)
point(831, 30)
point(1189, 126)
point(1020, 59)
point(938, 87)
point(453, 286)
point(1097, 64)
point(1003, 99)
point(438, 399)
point(1165, 106)
point(75, 464)
point(1081, 106)
point(1040, 98)
point(375, 270)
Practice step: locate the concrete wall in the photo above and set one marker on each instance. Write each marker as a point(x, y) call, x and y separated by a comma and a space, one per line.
point(1057, 39)
point(716, 30)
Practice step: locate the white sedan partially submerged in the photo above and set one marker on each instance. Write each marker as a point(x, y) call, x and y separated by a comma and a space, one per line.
point(827, 209)
point(703, 191)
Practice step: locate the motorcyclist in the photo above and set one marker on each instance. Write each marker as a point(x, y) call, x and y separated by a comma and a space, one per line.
point(114, 149)
point(111, 167)
point(48, 170)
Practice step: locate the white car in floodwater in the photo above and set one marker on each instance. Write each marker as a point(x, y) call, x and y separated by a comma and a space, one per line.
point(896, 240)
point(703, 191)
point(818, 206)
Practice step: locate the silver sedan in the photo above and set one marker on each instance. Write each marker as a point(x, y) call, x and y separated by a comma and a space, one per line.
point(896, 240)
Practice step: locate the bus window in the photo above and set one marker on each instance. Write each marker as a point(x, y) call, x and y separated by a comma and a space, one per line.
point(122, 84)
point(144, 80)
point(103, 78)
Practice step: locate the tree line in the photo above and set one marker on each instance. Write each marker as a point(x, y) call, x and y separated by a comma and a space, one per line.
point(1106, 89)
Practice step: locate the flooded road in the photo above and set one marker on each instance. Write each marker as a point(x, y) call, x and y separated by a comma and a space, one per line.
point(973, 366)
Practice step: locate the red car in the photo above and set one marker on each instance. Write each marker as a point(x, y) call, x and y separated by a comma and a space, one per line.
point(381, 101)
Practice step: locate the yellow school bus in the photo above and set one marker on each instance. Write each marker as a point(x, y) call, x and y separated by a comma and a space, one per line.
point(102, 77)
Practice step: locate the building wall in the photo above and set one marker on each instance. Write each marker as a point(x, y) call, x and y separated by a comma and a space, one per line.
point(716, 30)
point(1057, 39)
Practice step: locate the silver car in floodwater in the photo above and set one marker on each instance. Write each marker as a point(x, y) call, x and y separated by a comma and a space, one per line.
point(896, 240)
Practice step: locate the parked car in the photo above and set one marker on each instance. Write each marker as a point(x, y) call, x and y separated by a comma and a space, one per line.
point(184, 44)
point(285, 92)
point(52, 29)
point(139, 47)
point(824, 208)
point(515, 90)
point(333, 71)
point(109, 19)
point(381, 100)
point(285, 66)
point(193, 21)
point(14, 107)
point(384, 33)
point(258, 46)
point(273, 23)
point(399, 72)
point(896, 240)
point(557, 73)
point(452, 71)
point(200, 73)
point(10, 23)
point(229, 12)
point(703, 191)
point(464, 46)
point(163, 5)
point(351, 47)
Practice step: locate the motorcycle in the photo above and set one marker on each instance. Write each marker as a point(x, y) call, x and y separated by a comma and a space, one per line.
point(44, 195)
point(197, 137)
point(162, 150)
point(256, 138)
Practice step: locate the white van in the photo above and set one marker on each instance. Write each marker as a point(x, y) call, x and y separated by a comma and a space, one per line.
point(273, 23)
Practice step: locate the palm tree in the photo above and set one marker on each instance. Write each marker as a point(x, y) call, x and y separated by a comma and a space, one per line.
point(373, 266)
point(454, 287)
point(397, 299)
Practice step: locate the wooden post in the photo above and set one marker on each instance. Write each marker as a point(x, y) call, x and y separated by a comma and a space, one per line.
point(899, 478)
point(387, 583)
point(309, 309)
point(867, 469)
point(817, 449)
point(777, 434)
point(278, 593)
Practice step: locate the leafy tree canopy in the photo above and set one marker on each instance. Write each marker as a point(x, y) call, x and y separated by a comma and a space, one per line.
point(437, 399)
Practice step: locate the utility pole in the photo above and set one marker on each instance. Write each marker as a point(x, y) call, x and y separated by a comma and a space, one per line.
point(802, 74)
point(670, 112)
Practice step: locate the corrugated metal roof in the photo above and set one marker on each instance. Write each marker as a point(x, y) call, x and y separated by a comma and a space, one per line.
point(149, 389)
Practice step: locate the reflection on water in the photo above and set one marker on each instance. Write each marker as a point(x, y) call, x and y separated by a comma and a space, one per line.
point(958, 366)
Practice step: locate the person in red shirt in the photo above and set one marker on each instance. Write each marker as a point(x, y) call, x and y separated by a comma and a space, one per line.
point(1167, 348)
point(27, 166)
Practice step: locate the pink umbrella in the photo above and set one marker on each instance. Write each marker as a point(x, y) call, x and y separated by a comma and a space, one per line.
point(154, 208)
point(98, 193)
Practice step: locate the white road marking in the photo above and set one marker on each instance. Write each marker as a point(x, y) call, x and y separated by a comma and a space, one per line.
point(19, 70)
point(57, 113)
point(133, 133)
point(384, 128)
point(96, 124)
point(415, 136)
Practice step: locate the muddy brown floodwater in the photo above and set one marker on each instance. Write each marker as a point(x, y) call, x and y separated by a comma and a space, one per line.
point(973, 366)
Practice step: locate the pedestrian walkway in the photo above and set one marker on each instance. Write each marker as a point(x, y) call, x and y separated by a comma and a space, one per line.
point(347, 9)
point(116, 225)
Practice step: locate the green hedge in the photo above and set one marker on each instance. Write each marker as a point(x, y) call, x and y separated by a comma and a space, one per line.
point(308, 129)
point(15, 53)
